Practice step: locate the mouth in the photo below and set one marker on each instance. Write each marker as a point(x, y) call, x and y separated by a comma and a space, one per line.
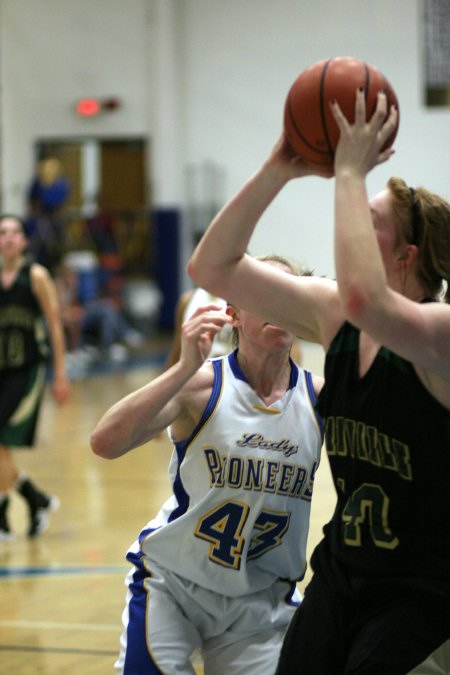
point(273, 326)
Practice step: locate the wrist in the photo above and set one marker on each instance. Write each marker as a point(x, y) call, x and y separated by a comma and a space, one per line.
point(345, 170)
point(276, 172)
point(184, 369)
point(350, 175)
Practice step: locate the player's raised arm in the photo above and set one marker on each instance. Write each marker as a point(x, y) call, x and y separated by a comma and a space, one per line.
point(144, 413)
point(389, 255)
point(359, 264)
point(221, 265)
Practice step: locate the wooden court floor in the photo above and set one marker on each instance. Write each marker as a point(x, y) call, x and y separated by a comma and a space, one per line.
point(62, 595)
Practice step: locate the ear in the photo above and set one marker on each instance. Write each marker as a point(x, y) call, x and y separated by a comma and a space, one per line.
point(408, 255)
point(234, 313)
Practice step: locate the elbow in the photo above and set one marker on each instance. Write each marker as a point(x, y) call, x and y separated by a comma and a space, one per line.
point(364, 304)
point(192, 269)
point(197, 270)
point(355, 302)
point(100, 446)
point(205, 275)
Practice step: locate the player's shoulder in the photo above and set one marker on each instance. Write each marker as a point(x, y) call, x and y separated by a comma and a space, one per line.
point(40, 277)
point(38, 272)
point(317, 382)
point(202, 381)
point(196, 393)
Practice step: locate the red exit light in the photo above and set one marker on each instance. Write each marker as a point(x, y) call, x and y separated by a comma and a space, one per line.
point(88, 107)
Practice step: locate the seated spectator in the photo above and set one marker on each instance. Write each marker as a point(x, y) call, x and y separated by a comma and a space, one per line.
point(95, 326)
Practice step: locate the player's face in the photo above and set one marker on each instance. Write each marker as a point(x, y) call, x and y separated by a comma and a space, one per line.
point(262, 333)
point(12, 237)
point(385, 229)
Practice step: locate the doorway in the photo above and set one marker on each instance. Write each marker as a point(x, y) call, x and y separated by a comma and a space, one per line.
point(108, 203)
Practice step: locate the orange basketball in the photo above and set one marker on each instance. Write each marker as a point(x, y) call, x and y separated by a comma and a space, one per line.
point(308, 121)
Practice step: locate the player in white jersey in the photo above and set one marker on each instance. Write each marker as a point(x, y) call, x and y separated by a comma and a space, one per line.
point(199, 298)
point(188, 302)
point(216, 569)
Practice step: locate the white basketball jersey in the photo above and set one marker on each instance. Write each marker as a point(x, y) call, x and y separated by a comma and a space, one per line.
point(242, 485)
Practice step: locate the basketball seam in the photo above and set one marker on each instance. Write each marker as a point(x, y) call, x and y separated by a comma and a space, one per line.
point(367, 87)
point(322, 107)
point(299, 133)
point(389, 102)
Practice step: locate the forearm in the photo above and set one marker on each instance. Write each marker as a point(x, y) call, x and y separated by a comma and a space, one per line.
point(361, 276)
point(141, 415)
point(58, 351)
point(359, 268)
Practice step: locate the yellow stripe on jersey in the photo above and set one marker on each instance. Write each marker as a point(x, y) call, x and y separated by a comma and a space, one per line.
point(262, 408)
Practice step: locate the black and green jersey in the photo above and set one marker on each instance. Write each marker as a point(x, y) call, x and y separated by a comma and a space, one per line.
point(388, 442)
point(23, 338)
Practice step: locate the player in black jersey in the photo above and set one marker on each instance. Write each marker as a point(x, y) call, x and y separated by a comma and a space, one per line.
point(28, 308)
point(379, 599)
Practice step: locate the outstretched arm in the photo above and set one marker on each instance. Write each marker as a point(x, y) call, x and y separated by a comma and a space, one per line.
point(359, 266)
point(418, 332)
point(174, 395)
point(306, 306)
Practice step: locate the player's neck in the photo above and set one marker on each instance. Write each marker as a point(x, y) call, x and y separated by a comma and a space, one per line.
point(12, 264)
point(269, 377)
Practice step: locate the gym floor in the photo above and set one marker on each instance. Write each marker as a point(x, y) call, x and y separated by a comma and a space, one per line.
point(63, 593)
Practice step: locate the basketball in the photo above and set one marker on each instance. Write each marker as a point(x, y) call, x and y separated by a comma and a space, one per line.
point(308, 121)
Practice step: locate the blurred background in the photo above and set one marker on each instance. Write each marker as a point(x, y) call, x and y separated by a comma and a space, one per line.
point(156, 111)
point(124, 127)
